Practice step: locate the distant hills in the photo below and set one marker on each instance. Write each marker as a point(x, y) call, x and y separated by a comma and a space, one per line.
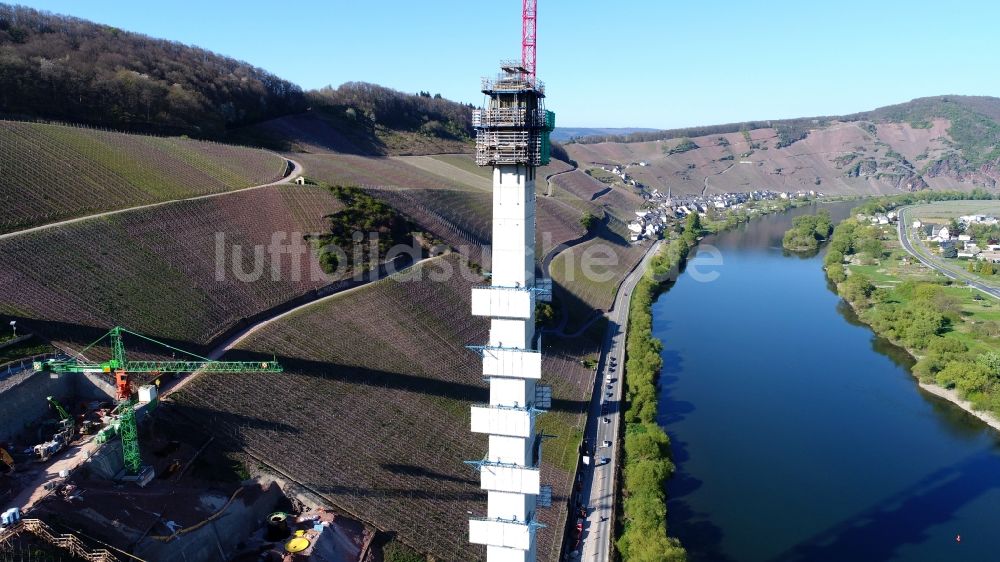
point(942, 142)
point(67, 69)
point(562, 134)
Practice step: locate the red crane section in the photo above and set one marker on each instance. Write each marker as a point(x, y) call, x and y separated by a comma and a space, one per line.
point(529, 29)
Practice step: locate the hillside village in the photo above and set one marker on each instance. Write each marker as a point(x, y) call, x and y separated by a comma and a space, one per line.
point(662, 208)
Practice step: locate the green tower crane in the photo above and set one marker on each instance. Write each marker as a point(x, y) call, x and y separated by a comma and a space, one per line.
point(121, 368)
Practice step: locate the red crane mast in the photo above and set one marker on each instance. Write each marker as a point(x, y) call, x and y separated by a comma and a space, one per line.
point(529, 29)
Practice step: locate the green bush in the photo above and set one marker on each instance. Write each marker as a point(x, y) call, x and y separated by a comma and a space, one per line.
point(684, 146)
point(836, 272)
point(807, 231)
point(363, 215)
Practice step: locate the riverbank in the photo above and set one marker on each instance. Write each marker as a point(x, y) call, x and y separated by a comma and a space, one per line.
point(952, 396)
point(948, 331)
point(647, 462)
point(755, 411)
point(949, 394)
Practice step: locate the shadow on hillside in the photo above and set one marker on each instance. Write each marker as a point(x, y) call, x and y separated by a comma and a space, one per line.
point(414, 470)
point(408, 493)
point(79, 336)
point(314, 131)
point(211, 418)
point(417, 384)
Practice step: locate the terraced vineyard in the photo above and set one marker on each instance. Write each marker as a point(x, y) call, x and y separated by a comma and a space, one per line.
point(556, 224)
point(579, 184)
point(156, 271)
point(467, 162)
point(378, 381)
point(55, 172)
point(373, 410)
point(369, 171)
point(462, 218)
point(596, 289)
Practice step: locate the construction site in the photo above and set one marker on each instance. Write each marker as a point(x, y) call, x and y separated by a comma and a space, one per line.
point(105, 471)
point(174, 415)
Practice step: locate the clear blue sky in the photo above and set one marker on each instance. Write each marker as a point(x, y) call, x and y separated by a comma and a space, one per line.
point(621, 63)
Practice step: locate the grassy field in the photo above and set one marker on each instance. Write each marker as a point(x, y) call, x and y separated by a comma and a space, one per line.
point(472, 178)
point(591, 272)
point(54, 172)
point(602, 176)
point(465, 162)
point(976, 306)
point(898, 267)
point(941, 212)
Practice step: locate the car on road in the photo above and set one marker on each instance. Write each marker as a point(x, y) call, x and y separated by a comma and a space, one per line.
point(610, 395)
point(610, 386)
point(607, 443)
point(607, 420)
point(605, 460)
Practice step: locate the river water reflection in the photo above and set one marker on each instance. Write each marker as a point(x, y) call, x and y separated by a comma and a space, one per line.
point(797, 433)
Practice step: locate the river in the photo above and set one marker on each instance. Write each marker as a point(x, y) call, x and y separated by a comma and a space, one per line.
point(800, 435)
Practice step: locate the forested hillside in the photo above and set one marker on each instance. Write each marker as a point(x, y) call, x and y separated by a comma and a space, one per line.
point(61, 68)
point(368, 119)
point(64, 68)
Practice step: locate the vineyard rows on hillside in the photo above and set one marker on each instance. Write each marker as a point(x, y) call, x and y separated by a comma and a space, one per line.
point(380, 380)
point(54, 172)
point(596, 290)
point(368, 171)
point(555, 224)
point(454, 216)
point(579, 184)
point(155, 270)
point(462, 218)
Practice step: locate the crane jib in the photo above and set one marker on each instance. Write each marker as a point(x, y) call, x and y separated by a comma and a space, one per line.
point(164, 367)
point(122, 369)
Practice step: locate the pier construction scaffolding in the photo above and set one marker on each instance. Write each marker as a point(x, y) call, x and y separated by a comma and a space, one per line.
point(512, 136)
